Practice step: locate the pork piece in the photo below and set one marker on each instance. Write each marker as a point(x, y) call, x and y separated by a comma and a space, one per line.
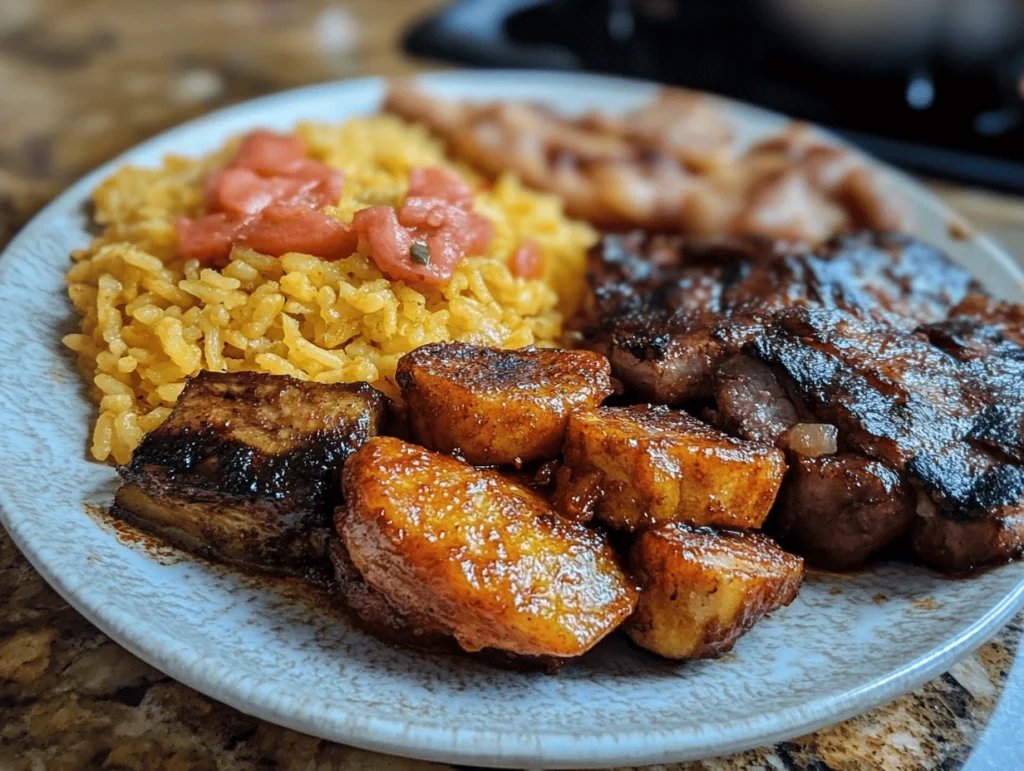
point(795, 185)
point(640, 467)
point(939, 417)
point(246, 468)
point(614, 172)
point(498, 407)
point(701, 590)
point(666, 312)
point(669, 165)
point(843, 509)
point(483, 558)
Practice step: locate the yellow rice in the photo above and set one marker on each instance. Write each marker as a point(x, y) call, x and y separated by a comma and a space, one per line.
point(149, 319)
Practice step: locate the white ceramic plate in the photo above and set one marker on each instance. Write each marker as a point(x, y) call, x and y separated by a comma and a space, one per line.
point(826, 657)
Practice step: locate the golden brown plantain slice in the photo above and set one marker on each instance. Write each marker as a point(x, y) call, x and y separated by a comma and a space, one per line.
point(492, 406)
point(483, 558)
point(246, 468)
point(701, 590)
point(643, 466)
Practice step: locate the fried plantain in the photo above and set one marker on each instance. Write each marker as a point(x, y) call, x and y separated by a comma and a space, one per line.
point(481, 557)
point(643, 466)
point(246, 469)
point(701, 590)
point(492, 406)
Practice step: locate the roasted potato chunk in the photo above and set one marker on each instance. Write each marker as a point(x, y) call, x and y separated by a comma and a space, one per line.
point(492, 406)
point(643, 466)
point(246, 469)
point(701, 590)
point(483, 558)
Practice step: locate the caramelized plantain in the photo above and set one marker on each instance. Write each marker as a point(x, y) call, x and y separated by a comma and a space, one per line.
point(702, 590)
point(643, 466)
point(481, 557)
point(246, 468)
point(492, 406)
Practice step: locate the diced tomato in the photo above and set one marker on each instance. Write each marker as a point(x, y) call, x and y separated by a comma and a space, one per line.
point(280, 229)
point(241, 193)
point(207, 239)
point(270, 154)
point(390, 245)
point(328, 183)
point(438, 182)
point(471, 232)
point(479, 234)
point(527, 260)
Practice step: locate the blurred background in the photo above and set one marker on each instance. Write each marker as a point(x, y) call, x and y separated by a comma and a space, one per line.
point(936, 86)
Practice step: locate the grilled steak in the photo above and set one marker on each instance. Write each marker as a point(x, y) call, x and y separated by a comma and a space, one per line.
point(894, 384)
point(666, 312)
point(946, 417)
point(246, 469)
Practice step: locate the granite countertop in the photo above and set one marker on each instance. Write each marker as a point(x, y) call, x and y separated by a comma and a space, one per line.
point(81, 80)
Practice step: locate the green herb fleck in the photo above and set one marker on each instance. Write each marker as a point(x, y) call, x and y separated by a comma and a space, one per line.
point(419, 253)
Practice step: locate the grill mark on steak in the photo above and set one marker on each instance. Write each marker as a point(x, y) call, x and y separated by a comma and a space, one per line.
point(900, 399)
point(666, 311)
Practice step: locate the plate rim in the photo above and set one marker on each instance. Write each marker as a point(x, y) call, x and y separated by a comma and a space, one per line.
point(479, 746)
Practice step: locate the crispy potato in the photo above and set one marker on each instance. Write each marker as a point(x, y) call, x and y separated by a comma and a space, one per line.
point(701, 590)
point(492, 406)
point(483, 558)
point(643, 466)
point(246, 468)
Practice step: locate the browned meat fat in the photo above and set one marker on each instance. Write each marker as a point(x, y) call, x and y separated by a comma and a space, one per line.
point(246, 469)
point(643, 466)
point(701, 590)
point(492, 406)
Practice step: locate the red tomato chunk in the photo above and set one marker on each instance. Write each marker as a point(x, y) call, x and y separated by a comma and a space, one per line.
point(436, 213)
point(281, 229)
point(527, 260)
point(267, 198)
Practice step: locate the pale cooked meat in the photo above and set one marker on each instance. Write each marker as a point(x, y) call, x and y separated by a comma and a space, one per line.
point(603, 170)
point(701, 590)
point(492, 406)
point(843, 509)
point(799, 186)
point(246, 469)
point(484, 558)
point(670, 165)
point(640, 467)
point(680, 123)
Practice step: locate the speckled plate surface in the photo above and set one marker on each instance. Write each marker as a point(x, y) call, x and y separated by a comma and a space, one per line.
point(845, 645)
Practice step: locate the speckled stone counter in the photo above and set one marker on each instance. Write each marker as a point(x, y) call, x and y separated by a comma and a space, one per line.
point(81, 80)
